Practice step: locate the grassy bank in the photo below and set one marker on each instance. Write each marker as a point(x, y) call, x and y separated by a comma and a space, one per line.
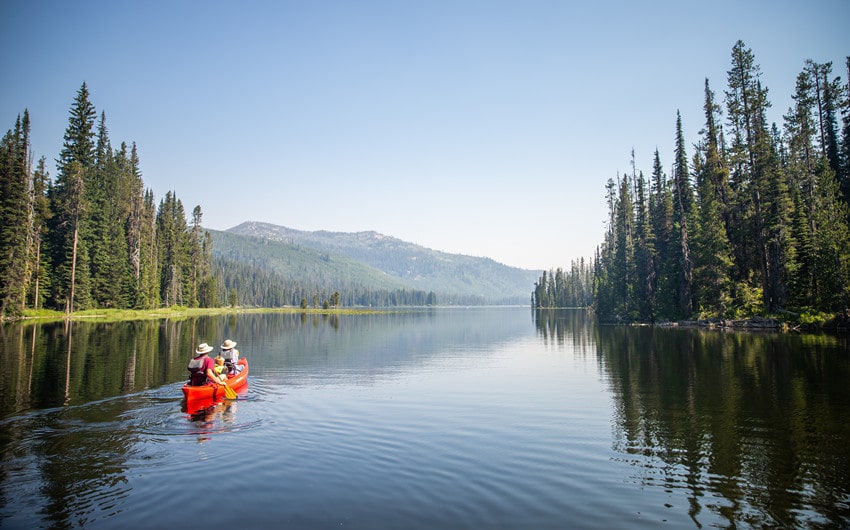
point(176, 312)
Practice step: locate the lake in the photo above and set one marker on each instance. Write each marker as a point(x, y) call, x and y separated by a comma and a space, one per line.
point(431, 418)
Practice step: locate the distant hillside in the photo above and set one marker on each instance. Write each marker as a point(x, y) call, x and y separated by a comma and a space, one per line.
point(375, 260)
point(299, 264)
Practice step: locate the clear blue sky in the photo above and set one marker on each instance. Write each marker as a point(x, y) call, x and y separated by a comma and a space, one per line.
point(486, 128)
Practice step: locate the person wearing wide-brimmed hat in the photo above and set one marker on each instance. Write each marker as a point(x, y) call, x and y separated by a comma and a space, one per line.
point(231, 357)
point(202, 367)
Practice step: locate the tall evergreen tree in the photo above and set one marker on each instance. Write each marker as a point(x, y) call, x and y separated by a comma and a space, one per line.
point(174, 245)
point(126, 186)
point(802, 163)
point(831, 243)
point(661, 217)
point(825, 94)
point(712, 253)
point(747, 239)
point(79, 144)
point(40, 272)
point(601, 298)
point(844, 175)
point(623, 267)
point(208, 291)
point(776, 210)
point(104, 251)
point(644, 254)
point(134, 230)
point(604, 293)
point(683, 220)
point(70, 209)
point(14, 218)
point(831, 101)
point(74, 166)
point(150, 267)
point(196, 244)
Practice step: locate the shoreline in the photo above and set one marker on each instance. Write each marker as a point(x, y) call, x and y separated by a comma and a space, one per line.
point(839, 324)
point(834, 323)
point(115, 315)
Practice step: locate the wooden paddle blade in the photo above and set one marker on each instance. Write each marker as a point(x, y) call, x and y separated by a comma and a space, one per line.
point(229, 393)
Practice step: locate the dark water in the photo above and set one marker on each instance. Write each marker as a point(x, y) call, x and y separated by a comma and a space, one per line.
point(448, 418)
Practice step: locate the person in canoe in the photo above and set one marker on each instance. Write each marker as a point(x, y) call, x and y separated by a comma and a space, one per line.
point(202, 368)
point(231, 357)
point(220, 368)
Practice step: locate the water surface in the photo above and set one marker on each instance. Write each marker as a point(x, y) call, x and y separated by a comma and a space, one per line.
point(461, 418)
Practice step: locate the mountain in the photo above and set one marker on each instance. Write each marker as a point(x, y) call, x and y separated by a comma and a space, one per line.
point(372, 260)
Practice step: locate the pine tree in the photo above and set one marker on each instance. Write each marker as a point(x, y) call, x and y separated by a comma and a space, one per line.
point(712, 254)
point(844, 175)
point(150, 271)
point(69, 227)
point(645, 274)
point(603, 286)
point(746, 239)
point(136, 200)
point(196, 243)
point(683, 220)
point(79, 144)
point(14, 219)
point(40, 276)
point(99, 192)
point(802, 162)
point(825, 92)
point(126, 186)
point(70, 209)
point(623, 267)
point(831, 95)
point(831, 243)
point(174, 246)
point(776, 203)
point(661, 217)
point(208, 294)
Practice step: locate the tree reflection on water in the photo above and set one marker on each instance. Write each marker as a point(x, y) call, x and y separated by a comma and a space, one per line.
point(753, 425)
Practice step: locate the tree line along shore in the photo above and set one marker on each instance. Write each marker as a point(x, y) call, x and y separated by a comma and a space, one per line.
point(752, 224)
point(94, 238)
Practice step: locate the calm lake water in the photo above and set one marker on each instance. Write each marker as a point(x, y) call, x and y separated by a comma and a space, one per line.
point(444, 418)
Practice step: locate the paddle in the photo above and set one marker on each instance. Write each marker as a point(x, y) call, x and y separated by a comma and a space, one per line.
point(229, 393)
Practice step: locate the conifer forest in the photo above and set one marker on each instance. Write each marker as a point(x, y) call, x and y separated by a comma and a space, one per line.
point(93, 236)
point(752, 218)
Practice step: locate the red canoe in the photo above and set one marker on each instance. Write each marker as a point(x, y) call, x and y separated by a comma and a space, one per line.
point(213, 392)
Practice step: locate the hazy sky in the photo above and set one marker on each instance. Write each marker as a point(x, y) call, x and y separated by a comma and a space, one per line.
point(486, 128)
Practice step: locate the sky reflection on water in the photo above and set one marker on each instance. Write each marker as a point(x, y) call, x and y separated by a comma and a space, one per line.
point(442, 418)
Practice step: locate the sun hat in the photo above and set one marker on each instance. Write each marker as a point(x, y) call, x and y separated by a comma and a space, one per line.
point(203, 348)
point(228, 345)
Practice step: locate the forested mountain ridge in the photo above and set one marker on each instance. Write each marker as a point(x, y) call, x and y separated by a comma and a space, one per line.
point(374, 259)
point(297, 265)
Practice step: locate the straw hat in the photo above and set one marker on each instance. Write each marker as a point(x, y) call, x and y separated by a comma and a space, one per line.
point(228, 345)
point(203, 348)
